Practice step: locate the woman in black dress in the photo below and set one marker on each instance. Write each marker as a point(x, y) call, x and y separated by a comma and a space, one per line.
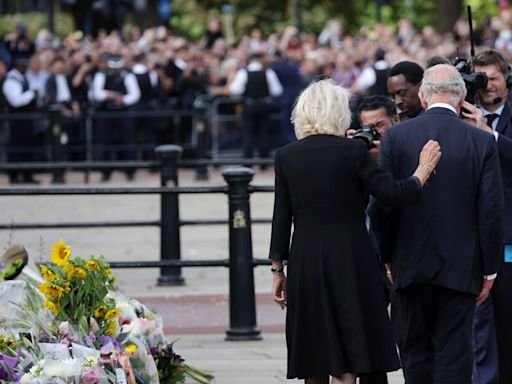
point(337, 324)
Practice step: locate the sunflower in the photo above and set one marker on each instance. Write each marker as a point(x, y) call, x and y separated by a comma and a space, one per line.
point(130, 348)
point(48, 274)
point(92, 265)
point(100, 312)
point(51, 306)
point(51, 290)
point(60, 252)
point(111, 328)
point(112, 313)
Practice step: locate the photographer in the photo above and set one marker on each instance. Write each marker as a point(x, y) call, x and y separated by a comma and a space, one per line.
point(375, 112)
point(492, 339)
point(379, 113)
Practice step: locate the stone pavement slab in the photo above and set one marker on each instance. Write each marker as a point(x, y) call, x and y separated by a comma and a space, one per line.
point(251, 362)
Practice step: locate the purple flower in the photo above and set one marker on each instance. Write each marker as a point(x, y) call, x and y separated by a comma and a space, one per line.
point(11, 363)
point(90, 339)
point(104, 340)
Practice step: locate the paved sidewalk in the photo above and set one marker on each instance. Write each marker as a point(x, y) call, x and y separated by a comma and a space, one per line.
point(197, 314)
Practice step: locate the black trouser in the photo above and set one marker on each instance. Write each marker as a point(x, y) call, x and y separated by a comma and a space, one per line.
point(437, 343)
point(22, 146)
point(256, 127)
point(115, 139)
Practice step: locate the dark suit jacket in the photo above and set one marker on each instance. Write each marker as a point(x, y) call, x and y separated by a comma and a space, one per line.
point(453, 237)
point(504, 129)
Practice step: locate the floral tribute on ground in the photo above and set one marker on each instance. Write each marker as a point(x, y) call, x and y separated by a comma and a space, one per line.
point(76, 327)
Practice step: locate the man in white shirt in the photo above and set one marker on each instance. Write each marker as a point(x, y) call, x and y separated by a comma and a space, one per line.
point(20, 99)
point(258, 86)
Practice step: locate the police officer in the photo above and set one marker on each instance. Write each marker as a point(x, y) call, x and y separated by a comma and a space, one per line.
point(115, 89)
point(20, 100)
point(258, 86)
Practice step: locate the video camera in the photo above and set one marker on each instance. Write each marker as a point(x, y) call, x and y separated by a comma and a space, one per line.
point(474, 81)
point(368, 134)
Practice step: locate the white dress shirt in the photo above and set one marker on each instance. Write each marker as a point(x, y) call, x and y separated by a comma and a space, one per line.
point(237, 87)
point(13, 90)
point(63, 92)
point(499, 111)
point(99, 93)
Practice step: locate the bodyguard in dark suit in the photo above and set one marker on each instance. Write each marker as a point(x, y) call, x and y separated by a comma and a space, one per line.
point(445, 250)
point(492, 336)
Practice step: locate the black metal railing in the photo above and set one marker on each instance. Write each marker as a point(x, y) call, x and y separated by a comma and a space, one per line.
point(241, 262)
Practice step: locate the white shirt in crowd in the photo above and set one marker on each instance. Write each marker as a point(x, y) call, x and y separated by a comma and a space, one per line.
point(99, 93)
point(13, 90)
point(237, 87)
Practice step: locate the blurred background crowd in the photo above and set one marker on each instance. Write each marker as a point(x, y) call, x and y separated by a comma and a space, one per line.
point(134, 69)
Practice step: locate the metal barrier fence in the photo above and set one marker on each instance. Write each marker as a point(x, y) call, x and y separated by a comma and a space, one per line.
point(208, 126)
point(243, 324)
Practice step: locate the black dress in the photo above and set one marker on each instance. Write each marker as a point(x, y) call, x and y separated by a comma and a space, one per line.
point(337, 321)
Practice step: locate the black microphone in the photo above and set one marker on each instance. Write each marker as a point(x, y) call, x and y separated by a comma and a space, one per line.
point(497, 100)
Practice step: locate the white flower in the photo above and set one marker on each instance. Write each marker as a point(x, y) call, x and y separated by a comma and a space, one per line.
point(64, 329)
point(62, 368)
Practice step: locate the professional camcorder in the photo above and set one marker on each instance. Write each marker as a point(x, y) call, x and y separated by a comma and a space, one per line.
point(367, 133)
point(474, 81)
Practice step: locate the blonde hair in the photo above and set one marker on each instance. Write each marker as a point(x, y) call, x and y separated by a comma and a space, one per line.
point(322, 108)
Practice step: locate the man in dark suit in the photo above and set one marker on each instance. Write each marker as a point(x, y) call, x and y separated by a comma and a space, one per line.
point(492, 337)
point(445, 250)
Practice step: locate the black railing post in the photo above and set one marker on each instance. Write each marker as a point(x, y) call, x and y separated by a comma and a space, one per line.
point(170, 247)
point(57, 155)
point(242, 303)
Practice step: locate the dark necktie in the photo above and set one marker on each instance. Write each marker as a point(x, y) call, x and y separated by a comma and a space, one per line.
point(490, 118)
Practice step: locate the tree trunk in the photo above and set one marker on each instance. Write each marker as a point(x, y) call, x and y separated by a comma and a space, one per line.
point(446, 13)
point(149, 17)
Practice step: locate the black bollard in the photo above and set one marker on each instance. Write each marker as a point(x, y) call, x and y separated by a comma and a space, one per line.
point(170, 246)
point(242, 303)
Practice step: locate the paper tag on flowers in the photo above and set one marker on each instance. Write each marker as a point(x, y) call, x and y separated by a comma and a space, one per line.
point(120, 376)
point(54, 351)
point(81, 352)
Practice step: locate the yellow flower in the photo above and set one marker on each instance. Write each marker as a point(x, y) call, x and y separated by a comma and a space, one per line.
point(92, 265)
point(66, 286)
point(100, 312)
point(60, 252)
point(51, 306)
point(113, 313)
point(51, 290)
point(48, 274)
point(108, 272)
point(79, 272)
point(130, 348)
point(68, 268)
point(111, 328)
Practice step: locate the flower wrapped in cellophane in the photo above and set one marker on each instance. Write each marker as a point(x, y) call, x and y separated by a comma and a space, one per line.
point(76, 327)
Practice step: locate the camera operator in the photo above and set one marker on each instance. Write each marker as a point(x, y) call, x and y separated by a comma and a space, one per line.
point(377, 112)
point(492, 338)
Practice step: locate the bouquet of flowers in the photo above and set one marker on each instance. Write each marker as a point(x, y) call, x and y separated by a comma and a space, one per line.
point(75, 327)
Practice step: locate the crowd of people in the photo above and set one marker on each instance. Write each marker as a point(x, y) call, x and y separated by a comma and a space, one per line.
point(442, 255)
point(154, 69)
